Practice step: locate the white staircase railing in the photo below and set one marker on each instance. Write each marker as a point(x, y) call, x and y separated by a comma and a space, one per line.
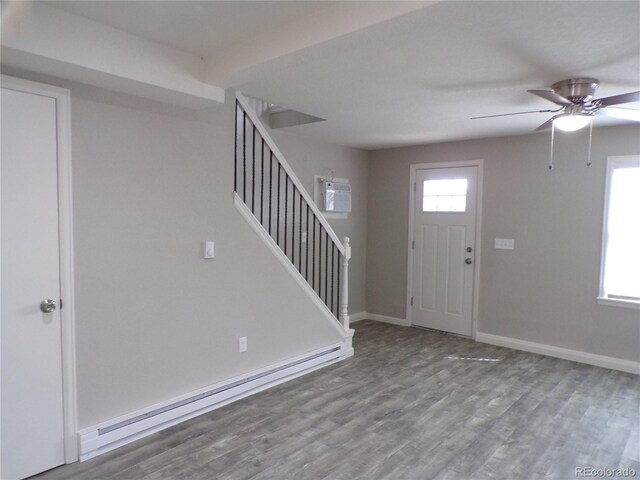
point(268, 186)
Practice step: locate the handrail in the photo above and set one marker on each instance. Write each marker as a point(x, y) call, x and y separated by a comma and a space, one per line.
point(283, 211)
point(287, 168)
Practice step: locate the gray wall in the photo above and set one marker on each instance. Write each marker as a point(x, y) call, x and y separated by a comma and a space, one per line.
point(154, 319)
point(544, 291)
point(308, 158)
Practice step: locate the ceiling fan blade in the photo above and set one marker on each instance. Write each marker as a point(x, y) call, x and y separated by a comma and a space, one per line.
point(545, 125)
point(619, 99)
point(516, 113)
point(552, 97)
point(624, 113)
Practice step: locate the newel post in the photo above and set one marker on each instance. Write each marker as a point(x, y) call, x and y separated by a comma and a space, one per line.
point(344, 284)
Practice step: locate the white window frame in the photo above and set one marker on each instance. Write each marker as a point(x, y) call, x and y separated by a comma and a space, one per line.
point(612, 164)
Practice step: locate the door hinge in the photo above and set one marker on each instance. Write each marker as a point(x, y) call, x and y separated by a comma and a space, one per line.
point(413, 244)
point(414, 186)
point(60, 304)
point(412, 301)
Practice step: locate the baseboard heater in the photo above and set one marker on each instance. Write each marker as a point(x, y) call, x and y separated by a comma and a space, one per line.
point(107, 436)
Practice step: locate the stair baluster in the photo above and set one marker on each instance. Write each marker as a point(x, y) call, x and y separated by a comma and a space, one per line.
point(331, 281)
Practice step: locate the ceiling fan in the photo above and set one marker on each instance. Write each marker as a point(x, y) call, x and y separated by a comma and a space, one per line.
point(578, 107)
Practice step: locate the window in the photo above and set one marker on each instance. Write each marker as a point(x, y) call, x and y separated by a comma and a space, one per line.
point(620, 272)
point(449, 195)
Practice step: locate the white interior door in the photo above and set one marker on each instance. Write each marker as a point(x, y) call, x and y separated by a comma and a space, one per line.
point(443, 248)
point(31, 352)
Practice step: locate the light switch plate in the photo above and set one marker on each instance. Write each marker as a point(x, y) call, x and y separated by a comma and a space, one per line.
point(504, 244)
point(208, 249)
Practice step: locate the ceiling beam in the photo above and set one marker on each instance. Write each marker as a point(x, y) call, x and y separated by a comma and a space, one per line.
point(326, 24)
point(46, 40)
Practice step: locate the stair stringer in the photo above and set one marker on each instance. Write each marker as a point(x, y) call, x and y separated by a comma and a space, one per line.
point(345, 334)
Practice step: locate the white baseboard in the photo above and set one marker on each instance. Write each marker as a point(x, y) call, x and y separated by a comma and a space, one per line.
point(559, 352)
point(386, 319)
point(102, 438)
point(356, 317)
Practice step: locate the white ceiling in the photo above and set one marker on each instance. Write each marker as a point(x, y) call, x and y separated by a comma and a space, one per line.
point(199, 27)
point(413, 78)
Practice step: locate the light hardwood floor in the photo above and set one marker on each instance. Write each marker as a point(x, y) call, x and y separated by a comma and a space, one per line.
point(412, 404)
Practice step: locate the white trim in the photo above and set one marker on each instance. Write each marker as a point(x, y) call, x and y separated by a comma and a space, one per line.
point(65, 221)
point(617, 302)
point(476, 275)
point(92, 443)
point(605, 215)
point(286, 262)
point(287, 168)
point(357, 317)
point(403, 322)
point(603, 298)
point(559, 352)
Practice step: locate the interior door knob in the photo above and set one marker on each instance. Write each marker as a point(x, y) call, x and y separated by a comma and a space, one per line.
point(468, 261)
point(48, 305)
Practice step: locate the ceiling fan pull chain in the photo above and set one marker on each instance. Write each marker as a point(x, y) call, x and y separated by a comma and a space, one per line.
point(553, 132)
point(590, 135)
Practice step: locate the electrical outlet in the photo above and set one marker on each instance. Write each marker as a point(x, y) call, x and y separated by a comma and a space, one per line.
point(243, 344)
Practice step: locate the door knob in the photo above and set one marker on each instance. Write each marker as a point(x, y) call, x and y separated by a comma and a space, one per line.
point(468, 261)
point(48, 305)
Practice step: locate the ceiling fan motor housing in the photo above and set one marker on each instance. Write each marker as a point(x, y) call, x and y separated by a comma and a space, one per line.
point(575, 97)
point(578, 90)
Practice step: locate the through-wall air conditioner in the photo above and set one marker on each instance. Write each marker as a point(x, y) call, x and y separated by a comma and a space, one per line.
point(336, 197)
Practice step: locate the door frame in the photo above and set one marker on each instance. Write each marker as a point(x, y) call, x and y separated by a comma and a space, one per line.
point(65, 232)
point(412, 198)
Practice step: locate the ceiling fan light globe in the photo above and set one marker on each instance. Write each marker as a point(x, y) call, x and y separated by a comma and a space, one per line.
point(571, 123)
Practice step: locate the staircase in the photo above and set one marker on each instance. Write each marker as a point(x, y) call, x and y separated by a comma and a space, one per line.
point(273, 201)
point(271, 197)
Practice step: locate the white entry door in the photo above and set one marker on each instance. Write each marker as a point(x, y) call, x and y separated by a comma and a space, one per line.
point(443, 248)
point(32, 391)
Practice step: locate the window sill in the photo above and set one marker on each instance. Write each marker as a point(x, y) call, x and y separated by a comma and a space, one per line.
point(616, 302)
